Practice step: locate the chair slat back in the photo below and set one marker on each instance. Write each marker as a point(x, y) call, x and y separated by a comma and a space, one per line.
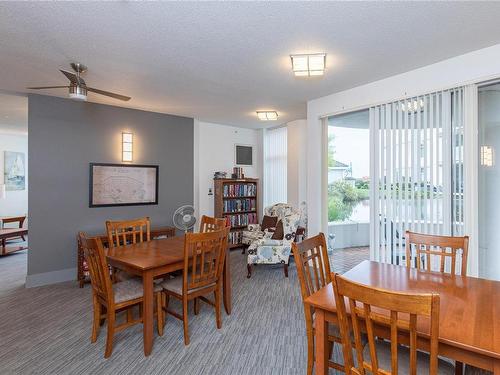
point(100, 278)
point(210, 224)
point(204, 255)
point(124, 232)
point(369, 307)
point(313, 265)
point(424, 250)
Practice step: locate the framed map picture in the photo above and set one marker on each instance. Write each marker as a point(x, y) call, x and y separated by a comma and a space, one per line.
point(123, 185)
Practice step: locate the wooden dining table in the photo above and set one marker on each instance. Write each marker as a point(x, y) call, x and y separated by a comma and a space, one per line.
point(152, 259)
point(469, 320)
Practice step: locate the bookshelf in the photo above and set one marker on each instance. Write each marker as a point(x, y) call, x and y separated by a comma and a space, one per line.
point(236, 201)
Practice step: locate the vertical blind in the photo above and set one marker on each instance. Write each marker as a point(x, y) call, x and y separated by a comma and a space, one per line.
point(417, 170)
point(275, 166)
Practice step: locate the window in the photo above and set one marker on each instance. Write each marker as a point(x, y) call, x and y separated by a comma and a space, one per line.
point(275, 165)
point(418, 170)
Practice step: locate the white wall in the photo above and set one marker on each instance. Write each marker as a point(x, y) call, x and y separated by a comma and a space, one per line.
point(477, 66)
point(214, 151)
point(296, 162)
point(17, 201)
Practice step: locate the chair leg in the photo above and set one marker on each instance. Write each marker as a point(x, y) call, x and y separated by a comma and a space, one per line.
point(110, 333)
point(96, 323)
point(159, 313)
point(165, 301)
point(285, 269)
point(185, 319)
point(196, 306)
point(310, 352)
point(459, 368)
point(218, 319)
point(249, 269)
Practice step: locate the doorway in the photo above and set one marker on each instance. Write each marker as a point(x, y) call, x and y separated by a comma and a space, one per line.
point(349, 188)
point(13, 191)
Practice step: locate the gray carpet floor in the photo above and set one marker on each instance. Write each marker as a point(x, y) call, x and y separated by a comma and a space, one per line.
point(46, 330)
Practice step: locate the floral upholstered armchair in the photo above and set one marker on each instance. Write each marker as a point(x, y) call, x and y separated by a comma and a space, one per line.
point(259, 231)
point(266, 250)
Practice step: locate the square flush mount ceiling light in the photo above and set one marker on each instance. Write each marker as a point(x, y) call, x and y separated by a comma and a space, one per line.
point(308, 65)
point(267, 115)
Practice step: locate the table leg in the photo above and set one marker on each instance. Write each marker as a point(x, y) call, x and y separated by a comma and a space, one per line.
point(147, 311)
point(496, 368)
point(226, 284)
point(321, 334)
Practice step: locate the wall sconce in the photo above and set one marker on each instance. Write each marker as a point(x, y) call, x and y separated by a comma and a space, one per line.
point(127, 146)
point(487, 156)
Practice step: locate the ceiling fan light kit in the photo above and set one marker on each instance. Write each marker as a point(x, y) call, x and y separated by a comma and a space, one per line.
point(78, 89)
point(78, 93)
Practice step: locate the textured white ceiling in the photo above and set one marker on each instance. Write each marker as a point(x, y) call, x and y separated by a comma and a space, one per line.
point(220, 62)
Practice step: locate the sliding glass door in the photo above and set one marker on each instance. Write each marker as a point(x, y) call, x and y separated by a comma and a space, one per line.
point(417, 171)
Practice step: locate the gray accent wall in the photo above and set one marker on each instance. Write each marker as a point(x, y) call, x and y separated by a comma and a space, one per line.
point(64, 137)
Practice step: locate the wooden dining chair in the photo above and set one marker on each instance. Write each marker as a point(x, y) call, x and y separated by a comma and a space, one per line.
point(313, 269)
point(204, 255)
point(421, 249)
point(210, 224)
point(115, 297)
point(367, 308)
point(123, 232)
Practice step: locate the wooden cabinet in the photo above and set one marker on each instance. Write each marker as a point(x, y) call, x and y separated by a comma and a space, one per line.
point(236, 200)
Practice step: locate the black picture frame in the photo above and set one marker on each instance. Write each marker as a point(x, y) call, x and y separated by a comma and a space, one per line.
point(91, 184)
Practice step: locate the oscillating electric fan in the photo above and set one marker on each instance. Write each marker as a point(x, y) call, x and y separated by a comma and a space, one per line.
point(184, 218)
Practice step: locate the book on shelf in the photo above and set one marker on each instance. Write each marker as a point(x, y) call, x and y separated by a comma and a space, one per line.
point(240, 190)
point(236, 205)
point(241, 219)
point(235, 238)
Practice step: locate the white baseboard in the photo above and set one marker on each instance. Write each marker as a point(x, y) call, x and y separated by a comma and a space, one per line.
point(48, 278)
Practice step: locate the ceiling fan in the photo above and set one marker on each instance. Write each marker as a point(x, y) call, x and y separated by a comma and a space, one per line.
point(77, 87)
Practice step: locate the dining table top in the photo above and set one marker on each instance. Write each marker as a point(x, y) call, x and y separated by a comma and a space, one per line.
point(149, 254)
point(469, 307)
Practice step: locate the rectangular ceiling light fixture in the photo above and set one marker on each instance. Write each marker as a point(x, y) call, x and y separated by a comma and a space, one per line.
point(127, 146)
point(308, 65)
point(267, 115)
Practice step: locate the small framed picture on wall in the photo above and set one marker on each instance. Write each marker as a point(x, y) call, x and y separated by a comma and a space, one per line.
point(243, 155)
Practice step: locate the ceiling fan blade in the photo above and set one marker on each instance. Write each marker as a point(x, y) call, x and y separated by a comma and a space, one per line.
point(107, 93)
point(47, 87)
point(73, 77)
